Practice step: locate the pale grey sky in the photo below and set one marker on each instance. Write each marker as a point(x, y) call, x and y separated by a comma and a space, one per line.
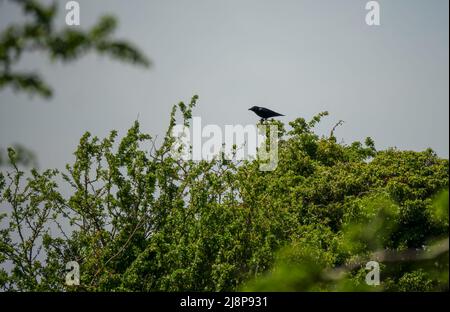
point(297, 57)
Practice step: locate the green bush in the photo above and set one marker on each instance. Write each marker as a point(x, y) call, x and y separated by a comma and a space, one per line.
point(138, 219)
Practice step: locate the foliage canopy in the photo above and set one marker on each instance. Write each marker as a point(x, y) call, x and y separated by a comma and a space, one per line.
point(138, 219)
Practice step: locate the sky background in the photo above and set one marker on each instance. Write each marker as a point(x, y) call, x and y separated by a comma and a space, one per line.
point(296, 57)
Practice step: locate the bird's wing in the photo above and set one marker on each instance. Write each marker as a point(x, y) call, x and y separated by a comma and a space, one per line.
point(271, 112)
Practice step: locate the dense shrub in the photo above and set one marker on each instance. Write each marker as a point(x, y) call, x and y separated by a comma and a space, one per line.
point(138, 219)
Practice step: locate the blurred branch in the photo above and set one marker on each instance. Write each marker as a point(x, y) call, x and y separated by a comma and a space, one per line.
point(22, 156)
point(65, 45)
point(392, 256)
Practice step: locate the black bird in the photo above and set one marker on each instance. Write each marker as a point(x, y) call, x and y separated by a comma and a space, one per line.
point(264, 113)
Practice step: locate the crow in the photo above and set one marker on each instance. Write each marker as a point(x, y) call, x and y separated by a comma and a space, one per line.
point(264, 113)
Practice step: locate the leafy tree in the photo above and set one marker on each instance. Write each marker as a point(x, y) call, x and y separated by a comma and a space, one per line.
point(138, 218)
